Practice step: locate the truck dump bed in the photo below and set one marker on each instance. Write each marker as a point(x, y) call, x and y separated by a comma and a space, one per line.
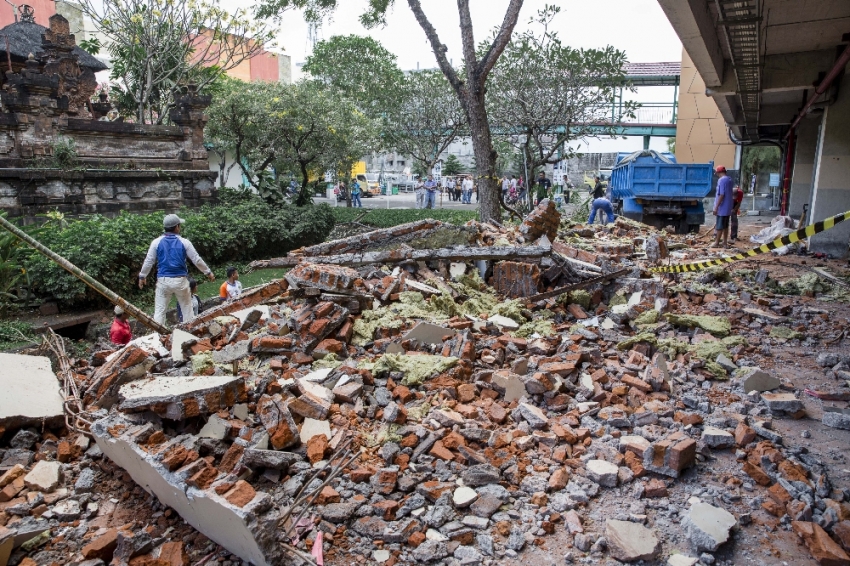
point(653, 176)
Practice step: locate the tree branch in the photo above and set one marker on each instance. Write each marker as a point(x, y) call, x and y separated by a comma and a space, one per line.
point(500, 41)
point(436, 45)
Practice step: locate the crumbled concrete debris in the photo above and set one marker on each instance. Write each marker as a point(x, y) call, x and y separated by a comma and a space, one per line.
point(483, 426)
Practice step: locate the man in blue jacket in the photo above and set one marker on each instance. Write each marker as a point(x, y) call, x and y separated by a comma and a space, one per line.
point(170, 251)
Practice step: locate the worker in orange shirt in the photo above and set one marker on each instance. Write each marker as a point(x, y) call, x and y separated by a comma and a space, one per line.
point(231, 288)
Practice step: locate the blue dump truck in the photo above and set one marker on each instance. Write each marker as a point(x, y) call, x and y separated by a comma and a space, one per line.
point(652, 188)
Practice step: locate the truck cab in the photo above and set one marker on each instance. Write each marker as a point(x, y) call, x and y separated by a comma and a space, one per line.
point(369, 185)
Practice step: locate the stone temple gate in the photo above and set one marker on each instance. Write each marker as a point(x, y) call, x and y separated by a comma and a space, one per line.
point(46, 94)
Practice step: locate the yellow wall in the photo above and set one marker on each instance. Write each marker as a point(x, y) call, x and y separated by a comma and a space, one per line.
point(700, 129)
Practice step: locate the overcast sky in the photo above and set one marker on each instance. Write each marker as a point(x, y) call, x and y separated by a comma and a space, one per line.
point(637, 26)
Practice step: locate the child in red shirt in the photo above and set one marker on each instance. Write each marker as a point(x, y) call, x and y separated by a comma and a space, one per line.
point(120, 333)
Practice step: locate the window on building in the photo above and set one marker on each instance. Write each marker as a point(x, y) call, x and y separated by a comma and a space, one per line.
point(401, 163)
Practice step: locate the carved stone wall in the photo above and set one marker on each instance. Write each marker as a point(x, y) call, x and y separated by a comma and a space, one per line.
point(118, 165)
point(28, 192)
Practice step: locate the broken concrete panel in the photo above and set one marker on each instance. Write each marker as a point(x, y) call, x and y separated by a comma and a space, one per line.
point(836, 418)
point(249, 532)
point(504, 322)
point(630, 542)
point(128, 364)
point(708, 526)
point(178, 338)
point(216, 428)
point(177, 397)
point(427, 333)
point(30, 392)
point(510, 385)
point(247, 315)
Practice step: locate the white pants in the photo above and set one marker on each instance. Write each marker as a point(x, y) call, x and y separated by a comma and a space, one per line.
point(420, 198)
point(166, 287)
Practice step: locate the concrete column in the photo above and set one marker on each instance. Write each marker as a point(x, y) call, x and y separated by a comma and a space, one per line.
point(804, 166)
point(832, 174)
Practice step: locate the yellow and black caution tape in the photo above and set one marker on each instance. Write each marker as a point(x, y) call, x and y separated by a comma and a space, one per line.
point(791, 238)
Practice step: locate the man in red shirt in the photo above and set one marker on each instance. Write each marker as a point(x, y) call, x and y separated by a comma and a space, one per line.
point(120, 332)
point(737, 199)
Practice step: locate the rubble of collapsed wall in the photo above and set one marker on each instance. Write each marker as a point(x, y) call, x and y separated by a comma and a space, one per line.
point(483, 416)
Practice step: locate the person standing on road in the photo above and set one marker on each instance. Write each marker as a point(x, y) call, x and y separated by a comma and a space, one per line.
point(724, 203)
point(170, 252)
point(355, 194)
point(738, 198)
point(506, 188)
point(430, 192)
point(544, 187)
point(420, 193)
point(467, 190)
point(451, 186)
point(566, 190)
point(598, 189)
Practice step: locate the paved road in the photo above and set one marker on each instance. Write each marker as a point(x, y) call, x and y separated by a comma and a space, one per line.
point(402, 200)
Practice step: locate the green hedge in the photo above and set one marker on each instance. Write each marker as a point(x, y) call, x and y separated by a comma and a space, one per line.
point(387, 218)
point(112, 249)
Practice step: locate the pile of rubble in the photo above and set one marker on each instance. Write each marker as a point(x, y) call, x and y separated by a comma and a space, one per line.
point(430, 408)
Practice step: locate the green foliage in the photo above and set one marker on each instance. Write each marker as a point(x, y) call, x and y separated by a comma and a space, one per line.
point(551, 94)
point(360, 68)
point(15, 332)
point(14, 279)
point(671, 145)
point(383, 218)
point(452, 166)
point(112, 250)
point(91, 46)
point(65, 154)
point(305, 129)
point(759, 160)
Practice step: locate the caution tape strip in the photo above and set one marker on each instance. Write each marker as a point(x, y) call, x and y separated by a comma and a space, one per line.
point(791, 238)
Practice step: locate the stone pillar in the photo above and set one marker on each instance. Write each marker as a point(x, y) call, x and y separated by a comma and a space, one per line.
point(804, 167)
point(832, 174)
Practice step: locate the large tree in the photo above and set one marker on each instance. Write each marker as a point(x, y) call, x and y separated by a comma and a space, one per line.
point(544, 96)
point(159, 45)
point(468, 85)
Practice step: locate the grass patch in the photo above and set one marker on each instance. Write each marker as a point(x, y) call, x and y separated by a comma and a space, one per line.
point(383, 218)
point(209, 289)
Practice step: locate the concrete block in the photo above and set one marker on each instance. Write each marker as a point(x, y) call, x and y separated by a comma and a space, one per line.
point(313, 427)
point(177, 397)
point(30, 392)
point(427, 333)
point(248, 531)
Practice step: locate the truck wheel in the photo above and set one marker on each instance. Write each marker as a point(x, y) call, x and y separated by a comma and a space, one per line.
point(693, 228)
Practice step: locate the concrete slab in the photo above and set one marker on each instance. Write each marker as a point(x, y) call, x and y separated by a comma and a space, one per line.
point(150, 342)
point(177, 397)
point(30, 392)
point(245, 313)
point(248, 531)
point(313, 427)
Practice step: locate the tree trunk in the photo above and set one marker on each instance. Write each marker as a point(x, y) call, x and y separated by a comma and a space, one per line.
point(305, 176)
point(485, 157)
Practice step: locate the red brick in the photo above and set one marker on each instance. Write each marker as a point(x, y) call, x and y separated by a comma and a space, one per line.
point(823, 549)
point(317, 447)
point(102, 547)
point(241, 494)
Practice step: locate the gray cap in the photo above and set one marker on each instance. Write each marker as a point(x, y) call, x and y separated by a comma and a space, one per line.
point(118, 310)
point(171, 220)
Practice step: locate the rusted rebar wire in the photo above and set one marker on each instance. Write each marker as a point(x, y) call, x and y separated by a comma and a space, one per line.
point(313, 494)
point(113, 297)
point(317, 491)
point(72, 404)
point(307, 558)
point(339, 449)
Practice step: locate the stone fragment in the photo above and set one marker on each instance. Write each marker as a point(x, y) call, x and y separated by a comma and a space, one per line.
point(485, 506)
point(278, 422)
point(510, 385)
point(708, 526)
point(504, 322)
point(44, 476)
point(427, 333)
point(635, 444)
point(681, 560)
point(534, 416)
point(430, 551)
point(630, 542)
point(671, 455)
point(215, 427)
point(602, 472)
point(102, 547)
point(464, 497)
point(782, 402)
point(480, 474)
point(85, 482)
point(757, 380)
point(317, 446)
point(836, 419)
point(273, 459)
point(717, 438)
